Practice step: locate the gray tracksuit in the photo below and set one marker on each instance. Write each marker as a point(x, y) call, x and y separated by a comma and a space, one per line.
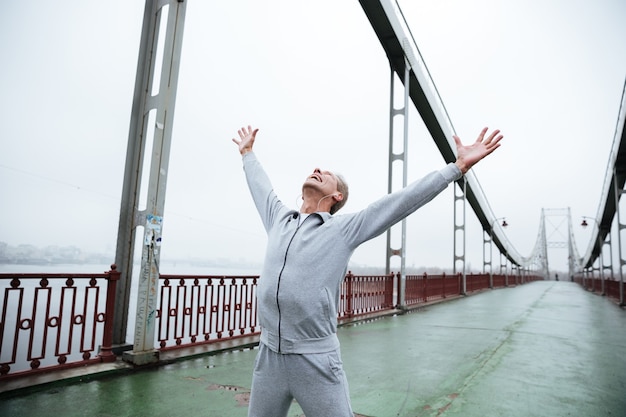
point(298, 290)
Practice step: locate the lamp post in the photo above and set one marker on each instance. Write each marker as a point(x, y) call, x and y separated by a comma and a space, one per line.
point(504, 224)
point(585, 224)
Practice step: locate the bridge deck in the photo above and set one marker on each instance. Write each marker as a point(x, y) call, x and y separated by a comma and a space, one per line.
point(546, 348)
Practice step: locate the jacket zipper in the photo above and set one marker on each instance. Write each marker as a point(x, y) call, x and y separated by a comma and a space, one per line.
point(279, 278)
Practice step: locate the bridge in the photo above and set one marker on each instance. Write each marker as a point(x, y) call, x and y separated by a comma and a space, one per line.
point(171, 310)
point(406, 63)
point(543, 348)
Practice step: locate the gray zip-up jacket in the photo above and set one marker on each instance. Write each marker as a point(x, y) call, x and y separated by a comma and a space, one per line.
point(299, 286)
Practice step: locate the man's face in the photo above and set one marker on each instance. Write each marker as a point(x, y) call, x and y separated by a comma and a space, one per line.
point(324, 181)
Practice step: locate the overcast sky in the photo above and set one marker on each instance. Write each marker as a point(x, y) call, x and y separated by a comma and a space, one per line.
point(315, 79)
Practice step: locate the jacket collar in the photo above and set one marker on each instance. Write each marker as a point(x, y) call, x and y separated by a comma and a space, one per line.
point(323, 215)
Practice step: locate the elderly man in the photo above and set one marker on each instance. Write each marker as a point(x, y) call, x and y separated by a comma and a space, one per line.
point(306, 260)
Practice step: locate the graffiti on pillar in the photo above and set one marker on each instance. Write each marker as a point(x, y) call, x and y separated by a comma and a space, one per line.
point(148, 284)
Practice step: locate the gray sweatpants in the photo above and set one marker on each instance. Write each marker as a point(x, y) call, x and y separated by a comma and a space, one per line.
point(316, 381)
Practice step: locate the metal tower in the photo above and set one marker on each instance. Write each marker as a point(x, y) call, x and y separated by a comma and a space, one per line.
point(148, 141)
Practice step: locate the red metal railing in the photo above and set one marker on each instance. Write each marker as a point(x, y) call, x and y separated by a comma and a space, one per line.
point(55, 321)
point(476, 282)
point(205, 309)
point(361, 295)
point(611, 288)
point(424, 288)
point(594, 284)
point(500, 281)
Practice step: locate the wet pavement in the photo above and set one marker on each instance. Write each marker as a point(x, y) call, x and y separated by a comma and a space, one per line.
point(540, 349)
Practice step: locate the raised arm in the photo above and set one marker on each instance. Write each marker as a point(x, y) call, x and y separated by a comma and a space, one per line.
point(468, 156)
point(267, 203)
point(246, 139)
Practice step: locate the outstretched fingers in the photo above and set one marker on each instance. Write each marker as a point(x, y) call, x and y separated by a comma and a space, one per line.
point(243, 132)
point(481, 135)
point(492, 141)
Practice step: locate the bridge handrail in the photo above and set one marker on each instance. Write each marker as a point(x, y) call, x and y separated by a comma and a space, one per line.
point(193, 310)
point(55, 321)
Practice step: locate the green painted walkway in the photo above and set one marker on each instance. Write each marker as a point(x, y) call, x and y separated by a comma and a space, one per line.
point(541, 349)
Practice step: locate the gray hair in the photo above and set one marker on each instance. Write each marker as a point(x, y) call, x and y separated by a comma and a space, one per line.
point(342, 187)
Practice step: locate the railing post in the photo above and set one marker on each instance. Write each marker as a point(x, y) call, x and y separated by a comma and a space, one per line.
point(443, 285)
point(349, 279)
point(398, 284)
point(106, 350)
point(425, 286)
point(389, 291)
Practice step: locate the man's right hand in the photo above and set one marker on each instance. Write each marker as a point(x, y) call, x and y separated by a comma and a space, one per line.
point(246, 139)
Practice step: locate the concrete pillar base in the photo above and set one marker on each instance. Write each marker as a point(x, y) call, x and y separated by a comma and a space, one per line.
point(118, 350)
point(141, 358)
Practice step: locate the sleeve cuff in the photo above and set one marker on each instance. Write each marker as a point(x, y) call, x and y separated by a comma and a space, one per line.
point(451, 172)
point(248, 155)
